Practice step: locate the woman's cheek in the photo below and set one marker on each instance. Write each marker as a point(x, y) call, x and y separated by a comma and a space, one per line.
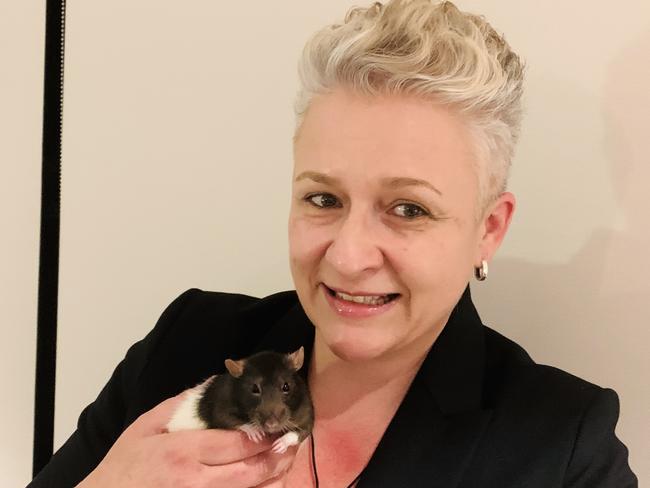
point(308, 239)
point(431, 265)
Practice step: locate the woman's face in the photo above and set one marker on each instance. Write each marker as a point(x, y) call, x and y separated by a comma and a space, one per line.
point(383, 212)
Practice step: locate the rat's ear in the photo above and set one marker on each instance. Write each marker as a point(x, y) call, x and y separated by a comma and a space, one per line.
point(235, 368)
point(297, 358)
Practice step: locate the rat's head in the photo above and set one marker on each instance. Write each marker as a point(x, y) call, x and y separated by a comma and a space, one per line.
point(269, 388)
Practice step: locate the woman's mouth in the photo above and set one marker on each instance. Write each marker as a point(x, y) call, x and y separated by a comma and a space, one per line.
point(359, 304)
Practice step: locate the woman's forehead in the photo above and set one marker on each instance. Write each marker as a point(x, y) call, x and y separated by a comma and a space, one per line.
point(392, 138)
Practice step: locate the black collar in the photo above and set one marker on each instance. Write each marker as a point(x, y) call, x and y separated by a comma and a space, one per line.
point(454, 367)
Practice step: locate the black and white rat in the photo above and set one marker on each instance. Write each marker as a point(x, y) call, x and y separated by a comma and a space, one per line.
point(262, 394)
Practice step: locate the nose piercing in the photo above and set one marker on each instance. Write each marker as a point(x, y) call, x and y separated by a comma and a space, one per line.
point(481, 272)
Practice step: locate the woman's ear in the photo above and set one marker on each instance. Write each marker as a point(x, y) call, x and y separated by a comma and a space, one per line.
point(494, 225)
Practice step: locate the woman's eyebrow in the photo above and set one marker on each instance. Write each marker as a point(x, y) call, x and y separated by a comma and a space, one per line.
point(318, 178)
point(401, 181)
point(394, 182)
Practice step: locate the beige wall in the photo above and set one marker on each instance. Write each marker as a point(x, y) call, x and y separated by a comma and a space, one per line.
point(22, 41)
point(177, 162)
point(571, 282)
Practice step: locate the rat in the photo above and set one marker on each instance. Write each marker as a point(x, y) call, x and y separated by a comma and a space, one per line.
point(262, 394)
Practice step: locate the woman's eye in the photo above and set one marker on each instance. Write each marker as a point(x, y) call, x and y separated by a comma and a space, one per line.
point(409, 211)
point(255, 389)
point(286, 388)
point(323, 200)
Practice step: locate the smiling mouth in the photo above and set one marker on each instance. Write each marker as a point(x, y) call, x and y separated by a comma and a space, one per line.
point(371, 300)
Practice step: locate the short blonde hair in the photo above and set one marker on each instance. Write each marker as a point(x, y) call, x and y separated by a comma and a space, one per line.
point(432, 50)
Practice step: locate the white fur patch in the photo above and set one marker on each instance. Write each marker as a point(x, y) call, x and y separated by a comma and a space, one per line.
point(283, 443)
point(186, 416)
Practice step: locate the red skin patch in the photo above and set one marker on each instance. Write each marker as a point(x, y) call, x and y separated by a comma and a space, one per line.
point(342, 453)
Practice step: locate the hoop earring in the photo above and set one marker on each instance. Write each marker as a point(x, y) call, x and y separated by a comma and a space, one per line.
point(481, 272)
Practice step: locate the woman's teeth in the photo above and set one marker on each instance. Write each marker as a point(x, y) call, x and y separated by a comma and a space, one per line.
point(366, 300)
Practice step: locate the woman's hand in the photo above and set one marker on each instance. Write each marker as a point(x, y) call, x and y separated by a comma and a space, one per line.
point(146, 455)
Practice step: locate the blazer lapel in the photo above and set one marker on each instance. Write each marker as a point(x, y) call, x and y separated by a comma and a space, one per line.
point(422, 447)
point(436, 429)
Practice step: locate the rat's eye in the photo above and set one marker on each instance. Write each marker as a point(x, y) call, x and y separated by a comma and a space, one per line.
point(286, 388)
point(255, 389)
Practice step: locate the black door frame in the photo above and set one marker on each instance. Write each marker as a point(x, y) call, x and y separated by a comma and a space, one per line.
point(48, 273)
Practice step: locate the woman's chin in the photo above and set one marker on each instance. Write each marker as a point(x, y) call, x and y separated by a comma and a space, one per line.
point(352, 349)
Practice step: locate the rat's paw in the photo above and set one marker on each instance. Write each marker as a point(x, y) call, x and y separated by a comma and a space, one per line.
point(253, 432)
point(283, 443)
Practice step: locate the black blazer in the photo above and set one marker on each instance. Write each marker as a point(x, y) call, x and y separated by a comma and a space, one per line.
point(479, 414)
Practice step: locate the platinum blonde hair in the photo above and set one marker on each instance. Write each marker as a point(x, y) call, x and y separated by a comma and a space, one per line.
point(433, 50)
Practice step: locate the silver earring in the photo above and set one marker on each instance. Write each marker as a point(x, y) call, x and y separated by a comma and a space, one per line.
point(481, 272)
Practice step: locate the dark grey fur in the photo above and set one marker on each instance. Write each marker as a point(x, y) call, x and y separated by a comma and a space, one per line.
point(228, 402)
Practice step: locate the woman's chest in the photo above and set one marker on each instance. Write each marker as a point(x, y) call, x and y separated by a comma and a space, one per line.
point(329, 474)
point(335, 457)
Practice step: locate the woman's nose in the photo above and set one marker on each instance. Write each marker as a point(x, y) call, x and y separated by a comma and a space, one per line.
point(354, 248)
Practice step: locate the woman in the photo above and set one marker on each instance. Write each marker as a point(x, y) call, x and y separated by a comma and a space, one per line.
point(407, 120)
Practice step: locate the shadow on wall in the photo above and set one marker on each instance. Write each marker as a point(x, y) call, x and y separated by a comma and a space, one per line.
point(590, 314)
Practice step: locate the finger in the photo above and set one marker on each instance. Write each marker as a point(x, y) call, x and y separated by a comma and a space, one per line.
point(252, 471)
point(217, 447)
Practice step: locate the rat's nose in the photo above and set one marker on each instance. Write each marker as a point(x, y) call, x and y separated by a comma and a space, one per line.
point(271, 425)
point(275, 419)
point(279, 413)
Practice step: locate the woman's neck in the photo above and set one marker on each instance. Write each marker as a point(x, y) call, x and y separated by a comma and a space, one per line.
point(338, 386)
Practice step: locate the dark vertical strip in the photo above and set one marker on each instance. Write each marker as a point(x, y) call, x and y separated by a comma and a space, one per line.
point(48, 273)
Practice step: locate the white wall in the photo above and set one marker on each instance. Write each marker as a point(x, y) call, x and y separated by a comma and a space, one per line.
point(22, 42)
point(177, 161)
